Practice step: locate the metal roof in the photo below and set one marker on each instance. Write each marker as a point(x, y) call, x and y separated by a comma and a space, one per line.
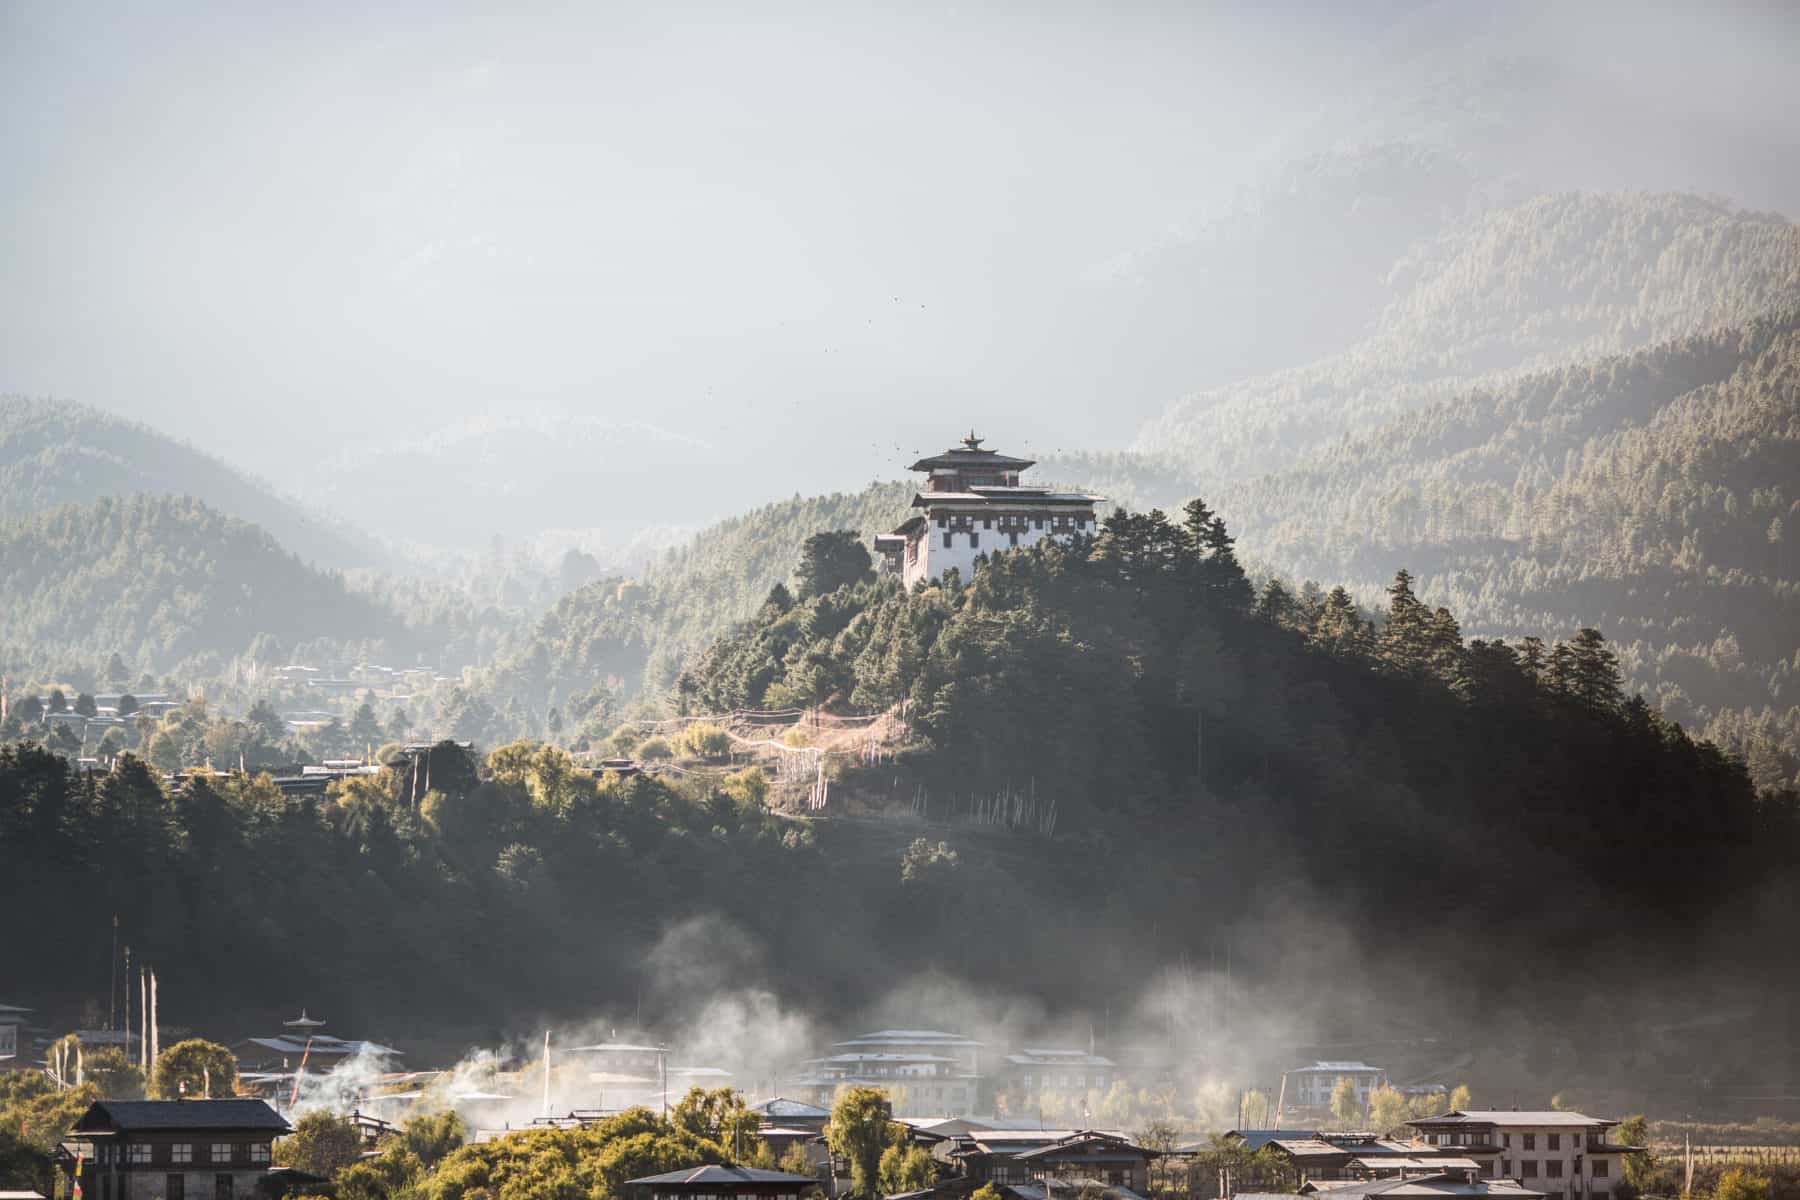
point(127, 1115)
point(881, 1056)
point(712, 1175)
point(320, 1044)
point(1516, 1117)
point(1348, 1067)
point(1058, 1058)
point(1425, 1186)
point(781, 1106)
point(909, 1037)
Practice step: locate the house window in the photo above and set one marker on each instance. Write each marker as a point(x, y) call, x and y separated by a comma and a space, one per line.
point(987, 523)
point(1530, 1140)
point(221, 1187)
point(1553, 1168)
point(1601, 1167)
point(137, 1154)
point(259, 1152)
point(974, 539)
point(1506, 1168)
point(1553, 1141)
point(1037, 523)
point(221, 1152)
point(1528, 1169)
point(1506, 1140)
point(949, 540)
point(181, 1152)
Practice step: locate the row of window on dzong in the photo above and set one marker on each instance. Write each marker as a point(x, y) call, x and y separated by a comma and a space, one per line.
point(183, 1152)
point(1016, 523)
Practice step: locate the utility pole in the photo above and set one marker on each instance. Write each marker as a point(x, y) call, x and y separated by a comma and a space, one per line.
point(112, 988)
point(546, 1072)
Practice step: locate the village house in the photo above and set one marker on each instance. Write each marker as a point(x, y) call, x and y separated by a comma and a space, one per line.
point(779, 1111)
point(1315, 1157)
point(626, 1073)
point(171, 1149)
point(926, 1072)
point(973, 503)
point(1028, 1156)
point(1067, 1074)
point(1562, 1154)
point(1310, 1088)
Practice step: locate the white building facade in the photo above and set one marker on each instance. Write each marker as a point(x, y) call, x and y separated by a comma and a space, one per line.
point(1565, 1155)
point(974, 504)
point(1312, 1086)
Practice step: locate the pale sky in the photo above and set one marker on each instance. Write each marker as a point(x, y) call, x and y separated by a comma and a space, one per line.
point(282, 230)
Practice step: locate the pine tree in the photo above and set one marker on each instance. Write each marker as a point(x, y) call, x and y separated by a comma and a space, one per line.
point(1276, 604)
point(1406, 639)
point(1595, 676)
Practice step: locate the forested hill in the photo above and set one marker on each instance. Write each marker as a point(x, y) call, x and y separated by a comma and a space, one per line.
point(54, 453)
point(162, 580)
point(1654, 496)
point(641, 632)
point(1554, 280)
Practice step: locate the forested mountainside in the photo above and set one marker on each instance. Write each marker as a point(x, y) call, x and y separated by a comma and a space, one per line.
point(54, 453)
point(1553, 280)
point(639, 633)
point(1276, 762)
point(163, 581)
point(1653, 496)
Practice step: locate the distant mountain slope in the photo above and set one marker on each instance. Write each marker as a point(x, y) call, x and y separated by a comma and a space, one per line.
point(54, 453)
point(641, 632)
point(161, 580)
point(1655, 496)
point(1549, 281)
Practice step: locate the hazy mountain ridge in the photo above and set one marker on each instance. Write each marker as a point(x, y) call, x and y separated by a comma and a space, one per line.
point(163, 581)
point(1553, 280)
point(56, 452)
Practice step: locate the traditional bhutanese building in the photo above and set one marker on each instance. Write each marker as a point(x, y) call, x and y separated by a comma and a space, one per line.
point(974, 504)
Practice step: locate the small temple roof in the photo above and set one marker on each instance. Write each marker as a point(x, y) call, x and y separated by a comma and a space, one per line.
point(970, 454)
point(304, 1022)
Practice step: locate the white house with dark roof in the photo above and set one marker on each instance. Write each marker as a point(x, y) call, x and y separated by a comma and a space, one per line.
point(1562, 1154)
point(1311, 1087)
point(974, 504)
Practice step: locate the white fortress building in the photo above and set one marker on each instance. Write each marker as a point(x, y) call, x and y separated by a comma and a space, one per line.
point(974, 504)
